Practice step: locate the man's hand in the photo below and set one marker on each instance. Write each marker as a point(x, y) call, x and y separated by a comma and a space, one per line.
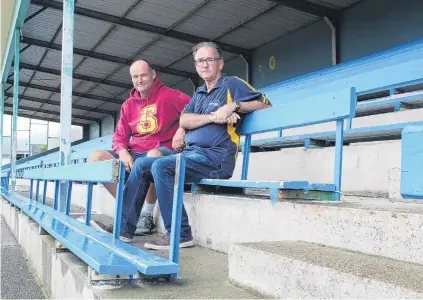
point(233, 119)
point(178, 142)
point(221, 115)
point(127, 159)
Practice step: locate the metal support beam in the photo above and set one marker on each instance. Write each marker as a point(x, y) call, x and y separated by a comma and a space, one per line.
point(141, 26)
point(21, 10)
point(15, 108)
point(45, 111)
point(99, 128)
point(307, 7)
point(66, 96)
point(43, 118)
point(55, 103)
point(57, 90)
point(77, 76)
point(106, 57)
point(334, 47)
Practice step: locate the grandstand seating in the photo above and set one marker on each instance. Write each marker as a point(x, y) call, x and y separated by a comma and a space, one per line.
point(396, 70)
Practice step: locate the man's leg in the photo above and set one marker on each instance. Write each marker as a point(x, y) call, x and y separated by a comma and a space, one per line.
point(135, 192)
point(101, 156)
point(197, 167)
point(145, 223)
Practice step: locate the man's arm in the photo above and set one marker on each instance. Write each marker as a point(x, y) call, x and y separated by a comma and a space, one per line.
point(247, 107)
point(191, 121)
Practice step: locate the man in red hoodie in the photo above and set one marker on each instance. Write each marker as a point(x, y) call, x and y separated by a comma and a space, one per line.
point(148, 126)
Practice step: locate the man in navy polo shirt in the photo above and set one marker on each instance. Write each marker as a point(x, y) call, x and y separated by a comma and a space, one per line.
point(212, 120)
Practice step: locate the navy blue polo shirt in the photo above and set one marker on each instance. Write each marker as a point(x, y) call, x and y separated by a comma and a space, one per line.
point(219, 142)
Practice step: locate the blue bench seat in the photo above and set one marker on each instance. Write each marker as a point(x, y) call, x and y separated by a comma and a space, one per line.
point(104, 253)
point(327, 138)
point(335, 106)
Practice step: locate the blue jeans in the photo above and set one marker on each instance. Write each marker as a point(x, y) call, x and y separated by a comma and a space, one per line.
point(161, 171)
point(165, 151)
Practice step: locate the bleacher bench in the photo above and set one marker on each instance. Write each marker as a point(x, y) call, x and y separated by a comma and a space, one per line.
point(335, 106)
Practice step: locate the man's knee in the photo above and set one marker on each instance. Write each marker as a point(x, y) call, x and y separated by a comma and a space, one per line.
point(100, 156)
point(161, 165)
point(142, 165)
point(154, 153)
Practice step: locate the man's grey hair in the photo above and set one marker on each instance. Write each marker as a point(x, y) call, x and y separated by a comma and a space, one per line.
point(219, 52)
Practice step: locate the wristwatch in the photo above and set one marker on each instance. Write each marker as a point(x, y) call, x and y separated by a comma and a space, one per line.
point(237, 106)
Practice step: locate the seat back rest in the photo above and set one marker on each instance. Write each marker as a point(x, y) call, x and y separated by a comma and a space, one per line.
point(331, 106)
point(103, 172)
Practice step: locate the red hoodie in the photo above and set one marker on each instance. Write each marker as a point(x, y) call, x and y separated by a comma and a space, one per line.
point(149, 123)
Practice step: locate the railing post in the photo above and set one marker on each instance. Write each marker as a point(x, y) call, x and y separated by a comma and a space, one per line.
point(119, 201)
point(66, 95)
point(89, 203)
point(31, 188)
point(45, 192)
point(15, 108)
point(37, 190)
point(69, 198)
point(339, 144)
point(178, 200)
point(56, 193)
point(246, 157)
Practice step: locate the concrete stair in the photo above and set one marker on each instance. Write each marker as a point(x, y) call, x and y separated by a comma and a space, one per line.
point(293, 269)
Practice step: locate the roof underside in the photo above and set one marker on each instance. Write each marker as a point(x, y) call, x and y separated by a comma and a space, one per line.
point(110, 34)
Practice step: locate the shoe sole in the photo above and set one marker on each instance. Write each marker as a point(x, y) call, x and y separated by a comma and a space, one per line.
point(157, 247)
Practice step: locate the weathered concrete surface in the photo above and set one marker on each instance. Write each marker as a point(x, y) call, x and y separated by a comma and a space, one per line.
point(204, 272)
point(292, 269)
point(18, 280)
point(370, 225)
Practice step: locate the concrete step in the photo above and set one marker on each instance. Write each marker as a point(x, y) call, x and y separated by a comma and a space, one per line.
point(371, 169)
point(292, 269)
point(370, 225)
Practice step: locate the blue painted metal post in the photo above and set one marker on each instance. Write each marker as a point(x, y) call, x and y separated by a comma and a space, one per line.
point(66, 95)
point(15, 108)
point(31, 188)
point(56, 193)
point(246, 153)
point(178, 201)
point(69, 198)
point(280, 133)
point(119, 201)
point(339, 144)
point(45, 192)
point(89, 203)
point(37, 190)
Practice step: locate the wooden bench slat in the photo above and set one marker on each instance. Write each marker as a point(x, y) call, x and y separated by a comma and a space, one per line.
point(292, 185)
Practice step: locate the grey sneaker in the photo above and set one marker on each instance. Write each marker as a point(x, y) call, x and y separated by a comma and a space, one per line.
point(163, 242)
point(145, 224)
point(108, 229)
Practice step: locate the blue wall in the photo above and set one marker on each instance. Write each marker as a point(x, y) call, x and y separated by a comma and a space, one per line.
point(367, 27)
point(297, 53)
point(375, 25)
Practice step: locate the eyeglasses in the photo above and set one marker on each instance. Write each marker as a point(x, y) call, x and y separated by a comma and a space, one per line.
point(209, 60)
